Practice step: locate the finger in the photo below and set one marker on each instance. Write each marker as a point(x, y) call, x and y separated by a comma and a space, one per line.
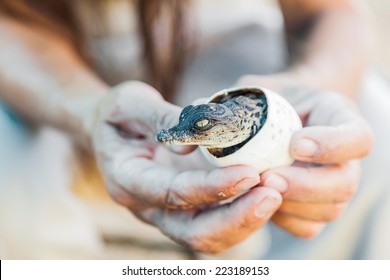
point(299, 227)
point(319, 212)
point(214, 230)
point(334, 132)
point(139, 109)
point(322, 144)
point(133, 177)
point(166, 187)
point(325, 184)
point(135, 99)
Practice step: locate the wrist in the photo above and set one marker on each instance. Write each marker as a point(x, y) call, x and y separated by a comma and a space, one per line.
point(322, 76)
point(79, 116)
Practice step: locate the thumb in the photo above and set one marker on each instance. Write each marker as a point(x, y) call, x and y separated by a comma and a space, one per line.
point(139, 108)
point(166, 115)
point(325, 144)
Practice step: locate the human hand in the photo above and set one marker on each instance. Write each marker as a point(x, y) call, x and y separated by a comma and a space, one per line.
point(319, 185)
point(184, 205)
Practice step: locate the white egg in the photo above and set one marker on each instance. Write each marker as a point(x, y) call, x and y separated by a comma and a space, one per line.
point(270, 146)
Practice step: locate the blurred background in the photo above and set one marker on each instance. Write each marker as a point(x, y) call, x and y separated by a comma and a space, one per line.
point(90, 225)
point(381, 10)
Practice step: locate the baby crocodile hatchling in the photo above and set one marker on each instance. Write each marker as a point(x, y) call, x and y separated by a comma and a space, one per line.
point(222, 127)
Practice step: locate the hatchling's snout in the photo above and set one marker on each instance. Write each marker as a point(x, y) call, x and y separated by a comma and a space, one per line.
point(164, 136)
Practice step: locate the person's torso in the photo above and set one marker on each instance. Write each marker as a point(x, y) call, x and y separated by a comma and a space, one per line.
point(113, 40)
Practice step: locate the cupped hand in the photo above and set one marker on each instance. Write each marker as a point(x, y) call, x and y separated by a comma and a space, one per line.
point(325, 175)
point(184, 205)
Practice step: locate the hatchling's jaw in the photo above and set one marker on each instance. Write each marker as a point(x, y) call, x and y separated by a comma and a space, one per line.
point(175, 136)
point(217, 136)
point(208, 125)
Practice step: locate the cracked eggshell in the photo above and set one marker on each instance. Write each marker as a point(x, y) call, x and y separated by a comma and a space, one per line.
point(270, 146)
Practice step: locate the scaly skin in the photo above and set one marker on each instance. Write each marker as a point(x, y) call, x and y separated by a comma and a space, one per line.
point(232, 121)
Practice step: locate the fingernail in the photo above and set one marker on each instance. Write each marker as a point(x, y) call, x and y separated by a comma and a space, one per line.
point(267, 206)
point(246, 184)
point(277, 182)
point(305, 148)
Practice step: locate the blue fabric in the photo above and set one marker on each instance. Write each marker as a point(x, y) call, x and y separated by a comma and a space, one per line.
point(14, 138)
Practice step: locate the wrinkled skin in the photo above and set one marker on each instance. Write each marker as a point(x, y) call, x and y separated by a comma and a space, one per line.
point(316, 189)
point(184, 205)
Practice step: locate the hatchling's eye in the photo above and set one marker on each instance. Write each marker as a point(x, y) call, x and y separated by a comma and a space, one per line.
point(202, 123)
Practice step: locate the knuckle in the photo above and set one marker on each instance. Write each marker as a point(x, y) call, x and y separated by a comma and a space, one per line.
point(203, 244)
point(351, 181)
point(118, 195)
point(348, 192)
point(173, 200)
point(118, 191)
point(194, 242)
point(334, 212)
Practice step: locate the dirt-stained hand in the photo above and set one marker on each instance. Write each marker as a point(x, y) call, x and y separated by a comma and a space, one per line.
point(184, 205)
point(318, 187)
